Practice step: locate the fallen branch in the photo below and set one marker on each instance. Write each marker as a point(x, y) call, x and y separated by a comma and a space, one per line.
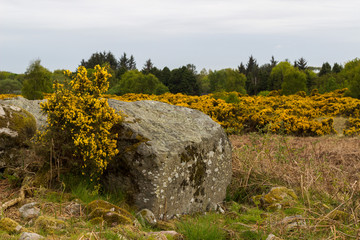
point(14, 201)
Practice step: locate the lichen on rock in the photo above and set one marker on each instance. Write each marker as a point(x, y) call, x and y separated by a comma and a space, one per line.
point(173, 160)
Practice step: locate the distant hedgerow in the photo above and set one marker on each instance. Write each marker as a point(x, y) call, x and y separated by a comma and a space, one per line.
point(80, 122)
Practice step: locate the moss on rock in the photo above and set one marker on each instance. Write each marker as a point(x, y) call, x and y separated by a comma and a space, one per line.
point(110, 213)
point(110, 217)
point(10, 226)
point(50, 224)
point(277, 198)
point(16, 126)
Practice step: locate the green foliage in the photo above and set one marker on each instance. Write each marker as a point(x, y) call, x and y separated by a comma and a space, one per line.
point(82, 188)
point(7, 75)
point(10, 86)
point(227, 80)
point(277, 75)
point(183, 80)
point(80, 123)
point(252, 235)
point(134, 81)
point(59, 76)
point(325, 69)
point(294, 81)
point(101, 58)
point(251, 83)
point(263, 93)
point(301, 64)
point(231, 97)
point(37, 81)
point(351, 74)
point(203, 82)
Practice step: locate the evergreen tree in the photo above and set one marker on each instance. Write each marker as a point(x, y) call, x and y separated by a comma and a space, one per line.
point(242, 69)
point(273, 62)
point(264, 76)
point(183, 80)
point(164, 76)
point(252, 79)
point(100, 58)
point(325, 69)
point(337, 68)
point(148, 67)
point(301, 64)
point(132, 63)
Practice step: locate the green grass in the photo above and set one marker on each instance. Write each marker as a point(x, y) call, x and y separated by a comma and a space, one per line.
point(204, 227)
point(85, 190)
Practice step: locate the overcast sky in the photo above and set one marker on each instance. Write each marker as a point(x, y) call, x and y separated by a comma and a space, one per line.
point(211, 34)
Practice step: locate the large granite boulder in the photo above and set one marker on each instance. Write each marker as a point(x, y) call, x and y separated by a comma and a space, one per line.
point(172, 160)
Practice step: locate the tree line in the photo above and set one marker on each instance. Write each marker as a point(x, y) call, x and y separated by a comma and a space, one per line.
point(248, 78)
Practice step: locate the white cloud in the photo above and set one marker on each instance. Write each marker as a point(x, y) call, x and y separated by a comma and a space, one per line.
point(180, 16)
point(209, 33)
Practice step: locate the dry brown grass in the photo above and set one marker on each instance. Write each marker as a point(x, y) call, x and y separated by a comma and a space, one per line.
point(324, 171)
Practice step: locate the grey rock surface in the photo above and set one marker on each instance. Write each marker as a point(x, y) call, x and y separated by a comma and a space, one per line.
point(145, 216)
point(172, 160)
point(32, 106)
point(16, 126)
point(30, 236)
point(29, 210)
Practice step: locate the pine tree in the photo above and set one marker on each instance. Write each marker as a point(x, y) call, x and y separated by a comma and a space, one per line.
point(301, 64)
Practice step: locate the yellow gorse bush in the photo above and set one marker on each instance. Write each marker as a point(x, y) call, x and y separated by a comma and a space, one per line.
point(80, 121)
point(4, 96)
point(297, 114)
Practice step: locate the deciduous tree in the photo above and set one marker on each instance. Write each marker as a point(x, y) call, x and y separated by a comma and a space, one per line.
point(37, 81)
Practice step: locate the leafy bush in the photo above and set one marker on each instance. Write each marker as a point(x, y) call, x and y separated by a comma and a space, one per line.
point(80, 122)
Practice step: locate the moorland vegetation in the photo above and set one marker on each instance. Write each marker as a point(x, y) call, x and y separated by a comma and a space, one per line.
point(289, 126)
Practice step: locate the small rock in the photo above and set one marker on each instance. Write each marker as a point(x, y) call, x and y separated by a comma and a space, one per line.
point(29, 211)
point(74, 208)
point(272, 237)
point(30, 236)
point(164, 225)
point(215, 207)
point(293, 222)
point(146, 217)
